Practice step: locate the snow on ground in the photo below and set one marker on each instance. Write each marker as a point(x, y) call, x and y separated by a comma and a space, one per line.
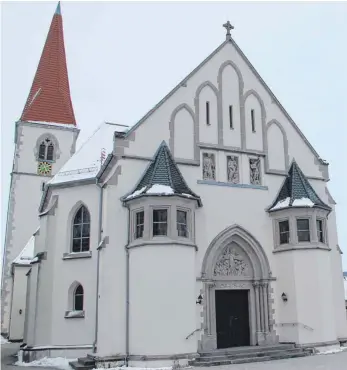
point(4, 340)
point(137, 368)
point(56, 362)
point(337, 350)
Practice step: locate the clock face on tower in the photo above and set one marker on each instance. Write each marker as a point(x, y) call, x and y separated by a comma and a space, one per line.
point(44, 168)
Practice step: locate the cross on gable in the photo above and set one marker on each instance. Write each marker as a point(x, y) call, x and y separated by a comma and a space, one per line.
point(228, 26)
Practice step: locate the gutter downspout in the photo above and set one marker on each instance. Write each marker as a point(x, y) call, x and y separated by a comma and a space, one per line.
point(127, 264)
point(100, 246)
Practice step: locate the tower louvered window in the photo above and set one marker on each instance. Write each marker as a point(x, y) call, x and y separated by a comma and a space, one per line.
point(46, 150)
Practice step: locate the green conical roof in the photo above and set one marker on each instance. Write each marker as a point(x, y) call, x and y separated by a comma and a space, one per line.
point(164, 175)
point(296, 187)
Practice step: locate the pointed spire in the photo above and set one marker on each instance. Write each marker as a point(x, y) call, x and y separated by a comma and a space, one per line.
point(164, 174)
point(49, 99)
point(58, 11)
point(296, 191)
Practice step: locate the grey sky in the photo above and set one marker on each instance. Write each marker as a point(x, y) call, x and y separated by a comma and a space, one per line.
point(124, 57)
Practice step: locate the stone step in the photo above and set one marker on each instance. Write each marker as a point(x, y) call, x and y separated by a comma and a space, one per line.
point(78, 366)
point(227, 351)
point(86, 361)
point(279, 356)
point(231, 356)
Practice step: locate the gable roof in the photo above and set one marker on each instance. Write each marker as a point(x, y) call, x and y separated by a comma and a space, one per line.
point(49, 98)
point(162, 177)
point(27, 253)
point(296, 191)
point(257, 75)
point(87, 161)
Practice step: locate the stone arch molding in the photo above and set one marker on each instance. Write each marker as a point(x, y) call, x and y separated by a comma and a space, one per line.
point(243, 116)
point(47, 135)
point(257, 264)
point(186, 107)
point(244, 247)
point(285, 147)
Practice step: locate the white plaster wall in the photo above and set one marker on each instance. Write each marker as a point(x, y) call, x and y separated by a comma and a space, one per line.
point(162, 300)
point(208, 133)
point(18, 302)
point(153, 131)
point(30, 322)
point(314, 293)
point(276, 148)
point(57, 275)
point(29, 135)
point(286, 312)
point(230, 96)
point(254, 140)
point(184, 135)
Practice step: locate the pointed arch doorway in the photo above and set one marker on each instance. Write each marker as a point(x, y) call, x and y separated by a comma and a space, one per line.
point(236, 277)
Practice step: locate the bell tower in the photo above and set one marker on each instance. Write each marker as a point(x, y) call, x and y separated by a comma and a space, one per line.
point(45, 138)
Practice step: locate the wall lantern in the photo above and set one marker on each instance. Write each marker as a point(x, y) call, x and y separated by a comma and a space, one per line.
point(199, 299)
point(284, 297)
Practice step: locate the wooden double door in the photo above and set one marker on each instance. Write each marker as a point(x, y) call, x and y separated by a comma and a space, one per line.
point(232, 318)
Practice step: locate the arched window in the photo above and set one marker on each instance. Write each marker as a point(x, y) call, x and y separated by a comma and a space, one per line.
point(78, 298)
point(81, 230)
point(46, 150)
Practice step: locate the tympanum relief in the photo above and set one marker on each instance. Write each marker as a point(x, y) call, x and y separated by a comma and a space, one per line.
point(231, 263)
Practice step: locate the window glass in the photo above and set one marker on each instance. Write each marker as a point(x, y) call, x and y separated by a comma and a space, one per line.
point(284, 232)
point(303, 228)
point(139, 224)
point(182, 228)
point(81, 231)
point(78, 298)
point(159, 222)
point(320, 233)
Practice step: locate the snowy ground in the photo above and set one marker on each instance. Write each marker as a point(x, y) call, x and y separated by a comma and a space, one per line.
point(337, 361)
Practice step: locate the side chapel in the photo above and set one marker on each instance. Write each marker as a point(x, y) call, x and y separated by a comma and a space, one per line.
point(206, 225)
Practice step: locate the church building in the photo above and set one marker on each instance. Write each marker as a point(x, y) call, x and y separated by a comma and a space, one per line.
point(206, 226)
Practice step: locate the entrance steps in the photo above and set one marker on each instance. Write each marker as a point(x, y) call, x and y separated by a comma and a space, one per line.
point(83, 363)
point(239, 355)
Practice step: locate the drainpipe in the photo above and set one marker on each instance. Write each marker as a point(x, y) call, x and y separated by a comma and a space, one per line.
point(127, 294)
point(99, 248)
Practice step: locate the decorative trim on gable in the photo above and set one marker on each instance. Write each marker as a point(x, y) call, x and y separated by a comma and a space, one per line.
point(228, 184)
point(285, 148)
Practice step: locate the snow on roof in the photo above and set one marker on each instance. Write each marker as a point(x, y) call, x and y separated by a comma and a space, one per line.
point(55, 124)
point(303, 202)
point(87, 161)
point(27, 254)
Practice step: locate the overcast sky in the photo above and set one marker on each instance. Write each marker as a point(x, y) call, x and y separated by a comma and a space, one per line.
point(124, 57)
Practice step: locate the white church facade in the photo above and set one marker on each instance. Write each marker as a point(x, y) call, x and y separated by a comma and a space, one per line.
point(207, 225)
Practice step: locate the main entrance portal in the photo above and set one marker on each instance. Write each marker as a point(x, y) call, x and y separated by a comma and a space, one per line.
point(232, 318)
point(236, 282)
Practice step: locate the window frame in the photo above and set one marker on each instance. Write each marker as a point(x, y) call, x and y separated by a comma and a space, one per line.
point(188, 222)
point(135, 224)
point(168, 221)
point(73, 224)
point(75, 294)
point(46, 142)
point(323, 231)
point(279, 232)
point(309, 219)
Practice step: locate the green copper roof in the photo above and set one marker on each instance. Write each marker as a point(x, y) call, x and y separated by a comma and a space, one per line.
point(163, 170)
point(297, 187)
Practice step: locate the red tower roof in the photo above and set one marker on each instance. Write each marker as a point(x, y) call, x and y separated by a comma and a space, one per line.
point(49, 99)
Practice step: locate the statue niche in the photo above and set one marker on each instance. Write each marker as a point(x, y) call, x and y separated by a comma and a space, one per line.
point(232, 263)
